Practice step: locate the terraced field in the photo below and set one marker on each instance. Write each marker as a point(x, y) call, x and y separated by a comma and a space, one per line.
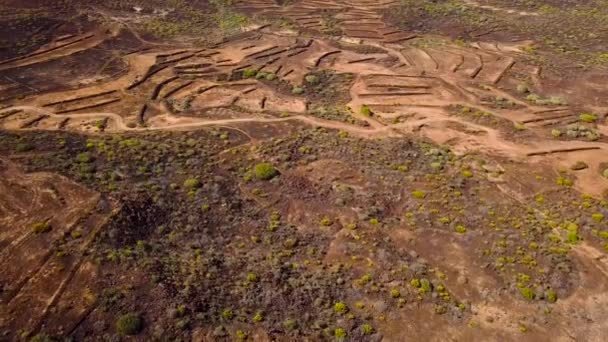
point(302, 170)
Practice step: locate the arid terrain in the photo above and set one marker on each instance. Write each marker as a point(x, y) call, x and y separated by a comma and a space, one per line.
point(303, 170)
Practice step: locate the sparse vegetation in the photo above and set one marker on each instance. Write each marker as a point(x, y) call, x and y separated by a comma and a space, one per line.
point(588, 117)
point(129, 324)
point(366, 111)
point(41, 227)
point(245, 170)
point(265, 171)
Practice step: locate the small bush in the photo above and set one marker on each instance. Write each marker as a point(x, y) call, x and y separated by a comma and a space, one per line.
point(557, 101)
point(518, 126)
point(460, 229)
point(264, 171)
point(227, 314)
point(588, 117)
point(326, 221)
point(290, 324)
point(41, 227)
point(533, 98)
point(564, 181)
point(340, 308)
point(192, 183)
point(241, 335)
point(84, 157)
point(425, 285)
point(597, 217)
point(527, 293)
point(129, 324)
point(340, 333)
point(258, 317)
point(312, 79)
point(367, 329)
point(297, 90)
point(418, 194)
point(249, 73)
point(365, 110)
point(551, 296)
point(523, 88)
point(366, 278)
point(252, 277)
point(395, 293)
point(556, 133)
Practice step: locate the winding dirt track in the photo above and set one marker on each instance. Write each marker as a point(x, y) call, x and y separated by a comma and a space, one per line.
point(500, 9)
point(383, 131)
point(408, 86)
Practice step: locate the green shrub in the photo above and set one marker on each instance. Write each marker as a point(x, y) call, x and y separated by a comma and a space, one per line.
point(395, 293)
point(264, 171)
point(261, 75)
point(519, 126)
point(367, 329)
point(258, 317)
point(290, 324)
point(597, 217)
point(588, 117)
point(527, 293)
point(425, 286)
point(557, 101)
point(551, 296)
point(460, 229)
point(241, 335)
point(573, 236)
point(227, 314)
point(41, 227)
point(365, 110)
point(252, 277)
point(418, 194)
point(340, 333)
point(340, 308)
point(564, 181)
point(129, 324)
point(366, 278)
point(297, 90)
point(523, 88)
point(84, 157)
point(533, 98)
point(312, 79)
point(326, 221)
point(192, 183)
point(249, 73)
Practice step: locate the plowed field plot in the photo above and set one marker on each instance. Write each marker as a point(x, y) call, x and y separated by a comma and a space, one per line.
point(303, 170)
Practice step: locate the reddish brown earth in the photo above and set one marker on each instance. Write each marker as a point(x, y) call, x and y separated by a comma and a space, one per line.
point(388, 137)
